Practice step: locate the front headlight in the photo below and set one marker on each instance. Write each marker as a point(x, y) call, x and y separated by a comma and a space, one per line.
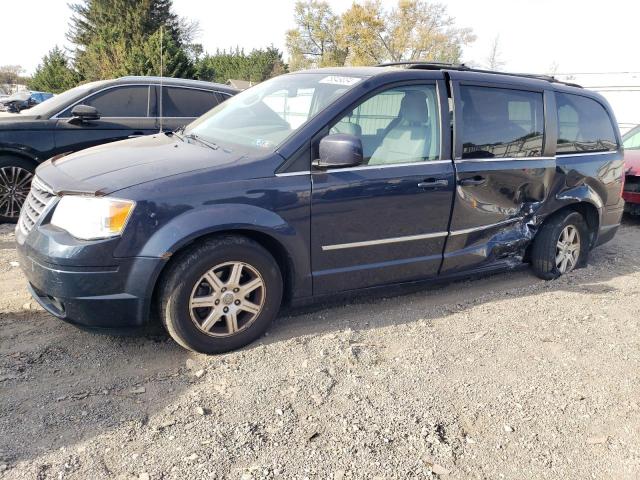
point(92, 218)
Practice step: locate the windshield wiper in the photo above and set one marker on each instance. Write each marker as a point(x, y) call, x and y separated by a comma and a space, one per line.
point(199, 139)
point(177, 132)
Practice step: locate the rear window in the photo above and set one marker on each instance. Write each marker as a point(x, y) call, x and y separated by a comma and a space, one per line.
point(186, 102)
point(583, 125)
point(501, 123)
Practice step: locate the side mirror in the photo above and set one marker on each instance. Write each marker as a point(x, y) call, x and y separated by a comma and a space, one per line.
point(339, 150)
point(84, 113)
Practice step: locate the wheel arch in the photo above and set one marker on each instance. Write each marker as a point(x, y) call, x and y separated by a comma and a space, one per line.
point(268, 242)
point(19, 154)
point(589, 211)
point(591, 214)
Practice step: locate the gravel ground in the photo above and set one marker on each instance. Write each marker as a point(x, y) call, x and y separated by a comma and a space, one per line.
point(502, 377)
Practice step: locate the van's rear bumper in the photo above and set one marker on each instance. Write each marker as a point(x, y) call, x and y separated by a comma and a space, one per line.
point(610, 222)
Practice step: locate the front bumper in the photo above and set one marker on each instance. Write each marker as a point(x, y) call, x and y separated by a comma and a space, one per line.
point(115, 296)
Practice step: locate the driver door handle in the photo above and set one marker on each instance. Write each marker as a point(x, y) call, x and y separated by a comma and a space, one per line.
point(434, 183)
point(473, 181)
point(136, 134)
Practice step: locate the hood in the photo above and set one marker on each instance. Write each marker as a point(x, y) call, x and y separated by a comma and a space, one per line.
point(21, 121)
point(632, 162)
point(113, 166)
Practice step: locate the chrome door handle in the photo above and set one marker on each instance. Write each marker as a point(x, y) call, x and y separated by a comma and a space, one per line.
point(473, 181)
point(433, 183)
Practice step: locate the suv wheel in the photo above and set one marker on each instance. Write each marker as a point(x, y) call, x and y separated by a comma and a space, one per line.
point(220, 295)
point(561, 245)
point(15, 181)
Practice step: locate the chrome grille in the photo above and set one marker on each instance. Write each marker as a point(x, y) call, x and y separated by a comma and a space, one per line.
point(39, 198)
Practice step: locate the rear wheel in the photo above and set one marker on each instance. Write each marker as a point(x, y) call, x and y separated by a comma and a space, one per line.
point(561, 245)
point(220, 295)
point(15, 181)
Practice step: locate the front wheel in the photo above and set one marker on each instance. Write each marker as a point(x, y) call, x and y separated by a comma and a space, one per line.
point(220, 295)
point(15, 181)
point(561, 245)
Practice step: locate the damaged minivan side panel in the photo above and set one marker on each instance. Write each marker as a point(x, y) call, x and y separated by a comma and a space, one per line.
point(505, 170)
point(511, 174)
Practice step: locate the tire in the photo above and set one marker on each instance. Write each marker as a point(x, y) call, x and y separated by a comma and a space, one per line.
point(15, 181)
point(190, 282)
point(548, 258)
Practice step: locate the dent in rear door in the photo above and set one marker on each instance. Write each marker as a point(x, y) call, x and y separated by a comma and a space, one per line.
point(504, 170)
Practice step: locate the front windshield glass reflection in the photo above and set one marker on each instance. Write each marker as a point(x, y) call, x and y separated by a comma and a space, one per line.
point(263, 116)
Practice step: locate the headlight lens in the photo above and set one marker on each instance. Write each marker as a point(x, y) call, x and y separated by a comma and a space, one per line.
point(92, 218)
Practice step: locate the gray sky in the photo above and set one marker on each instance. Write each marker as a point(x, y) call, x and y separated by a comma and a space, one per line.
point(579, 36)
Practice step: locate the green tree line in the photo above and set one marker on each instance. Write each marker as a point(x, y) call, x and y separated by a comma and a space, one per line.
point(112, 38)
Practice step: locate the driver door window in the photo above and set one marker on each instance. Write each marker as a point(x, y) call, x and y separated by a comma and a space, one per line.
point(399, 125)
point(120, 102)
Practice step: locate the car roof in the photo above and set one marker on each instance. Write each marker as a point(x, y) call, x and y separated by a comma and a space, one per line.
point(183, 82)
point(466, 72)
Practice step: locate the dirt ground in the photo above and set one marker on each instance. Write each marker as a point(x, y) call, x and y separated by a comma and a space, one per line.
point(506, 377)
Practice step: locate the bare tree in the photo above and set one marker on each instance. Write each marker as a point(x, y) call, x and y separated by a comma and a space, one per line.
point(11, 74)
point(494, 60)
point(413, 30)
point(553, 68)
point(313, 43)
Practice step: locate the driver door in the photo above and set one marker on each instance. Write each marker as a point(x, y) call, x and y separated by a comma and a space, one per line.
point(385, 221)
point(123, 114)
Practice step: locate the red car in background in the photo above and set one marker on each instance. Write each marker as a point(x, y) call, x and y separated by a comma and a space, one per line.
point(631, 193)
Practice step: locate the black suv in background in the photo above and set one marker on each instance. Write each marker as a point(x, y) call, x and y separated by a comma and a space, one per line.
point(93, 114)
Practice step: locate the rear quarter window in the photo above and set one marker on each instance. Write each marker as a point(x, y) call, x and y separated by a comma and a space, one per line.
point(187, 102)
point(501, 122)
point(583, 125)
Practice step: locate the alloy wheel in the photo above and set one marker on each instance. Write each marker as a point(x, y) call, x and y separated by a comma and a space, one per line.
point(14, 188)
point(227, 299)
point(568, 249)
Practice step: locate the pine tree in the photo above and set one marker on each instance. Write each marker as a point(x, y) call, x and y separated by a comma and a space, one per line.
point(145, 59)
point(54, 74)
point(113, 36)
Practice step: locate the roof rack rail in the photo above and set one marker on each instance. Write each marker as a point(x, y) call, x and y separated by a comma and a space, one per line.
point(426, 65)
point(418, 65)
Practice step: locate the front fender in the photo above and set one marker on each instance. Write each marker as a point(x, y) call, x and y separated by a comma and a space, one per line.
point(35, 145)
point(24, 152)
point(190, 225)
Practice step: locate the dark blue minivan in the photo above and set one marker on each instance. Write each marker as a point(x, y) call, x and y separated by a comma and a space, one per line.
point(322, 182)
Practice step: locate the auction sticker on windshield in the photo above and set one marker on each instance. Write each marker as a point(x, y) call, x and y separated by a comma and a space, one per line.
point(340, 80)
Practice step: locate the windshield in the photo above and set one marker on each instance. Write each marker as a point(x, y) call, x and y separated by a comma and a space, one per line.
point(59, 102)
point(631, 140)
point(263, 116)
